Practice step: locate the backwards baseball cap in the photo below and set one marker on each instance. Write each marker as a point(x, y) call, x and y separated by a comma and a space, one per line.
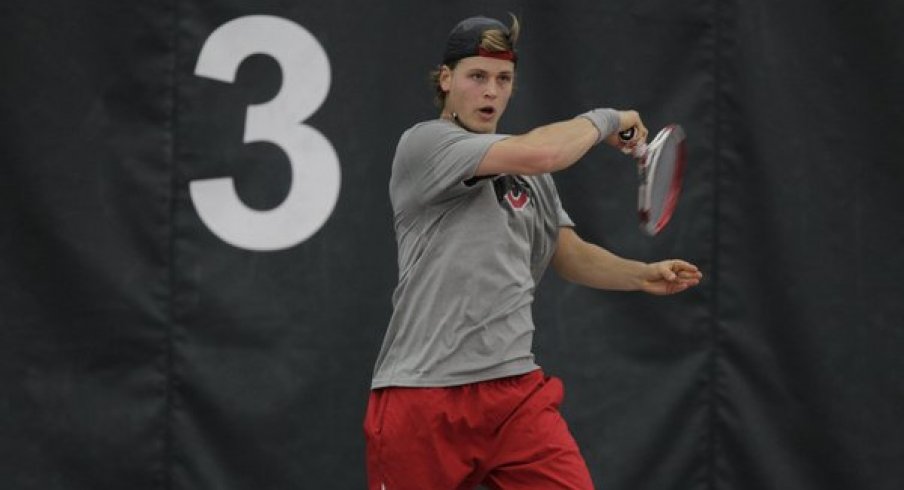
point(464, 40)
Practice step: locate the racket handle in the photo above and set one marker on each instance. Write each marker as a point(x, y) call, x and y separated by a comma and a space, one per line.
point(637, 150)
point(627, 134)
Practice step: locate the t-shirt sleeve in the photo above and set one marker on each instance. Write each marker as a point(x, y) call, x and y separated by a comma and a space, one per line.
point(561, 215)
point(434, 159)
point(564, 219)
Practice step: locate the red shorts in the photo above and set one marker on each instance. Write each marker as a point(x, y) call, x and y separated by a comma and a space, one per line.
point(505, 434)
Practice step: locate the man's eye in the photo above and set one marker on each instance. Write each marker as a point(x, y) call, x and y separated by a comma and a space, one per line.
point(477, 76)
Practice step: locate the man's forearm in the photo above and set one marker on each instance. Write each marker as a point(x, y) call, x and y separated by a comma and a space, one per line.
point(570, 140)
point(593, 266)
point(552, 147)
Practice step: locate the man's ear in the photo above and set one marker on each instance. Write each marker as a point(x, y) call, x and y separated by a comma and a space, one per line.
point(445, 78)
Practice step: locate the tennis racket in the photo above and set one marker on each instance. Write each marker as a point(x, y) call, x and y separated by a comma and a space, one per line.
point(660, 168)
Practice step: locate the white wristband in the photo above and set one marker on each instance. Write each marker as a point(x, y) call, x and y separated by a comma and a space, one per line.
point(605, 120)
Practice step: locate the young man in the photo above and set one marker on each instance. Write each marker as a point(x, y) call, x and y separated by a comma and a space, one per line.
point(457, 399)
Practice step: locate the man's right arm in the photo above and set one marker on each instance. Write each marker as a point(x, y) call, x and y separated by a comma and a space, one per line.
point(556, 146)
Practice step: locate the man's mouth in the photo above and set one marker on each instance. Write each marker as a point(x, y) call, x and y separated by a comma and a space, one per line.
point(487, 111)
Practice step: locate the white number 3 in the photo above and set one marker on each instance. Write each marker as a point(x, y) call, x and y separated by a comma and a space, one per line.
point(315, 166)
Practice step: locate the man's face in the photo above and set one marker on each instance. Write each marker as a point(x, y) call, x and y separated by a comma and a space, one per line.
point(478, 89)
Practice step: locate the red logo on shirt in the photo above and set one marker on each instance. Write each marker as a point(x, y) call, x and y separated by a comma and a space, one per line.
point(512, 189)
point(517, 199)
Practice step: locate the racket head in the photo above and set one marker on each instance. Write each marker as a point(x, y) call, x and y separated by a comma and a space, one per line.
point(661, 171)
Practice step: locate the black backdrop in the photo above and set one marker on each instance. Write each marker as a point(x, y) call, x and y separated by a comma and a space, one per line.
point(140, 350)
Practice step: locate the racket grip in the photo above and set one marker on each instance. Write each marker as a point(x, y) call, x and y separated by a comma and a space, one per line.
point(627, 134)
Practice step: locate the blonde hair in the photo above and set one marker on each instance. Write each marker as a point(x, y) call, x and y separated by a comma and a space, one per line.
point(493, 40)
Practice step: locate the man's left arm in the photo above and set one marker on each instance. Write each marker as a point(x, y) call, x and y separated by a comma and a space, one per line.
point(590, 265)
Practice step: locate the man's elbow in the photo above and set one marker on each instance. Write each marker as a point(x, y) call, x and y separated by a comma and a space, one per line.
point(564, 269)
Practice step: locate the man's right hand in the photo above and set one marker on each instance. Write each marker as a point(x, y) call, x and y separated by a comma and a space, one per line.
point(627, 120)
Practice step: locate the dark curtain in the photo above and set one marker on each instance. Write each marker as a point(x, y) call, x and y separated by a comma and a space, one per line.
point(140, 349)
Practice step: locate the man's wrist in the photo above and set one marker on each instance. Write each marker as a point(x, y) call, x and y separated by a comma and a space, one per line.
point(606, 121)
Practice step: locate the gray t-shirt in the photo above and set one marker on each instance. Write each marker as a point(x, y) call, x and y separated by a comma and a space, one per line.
point(471, 252)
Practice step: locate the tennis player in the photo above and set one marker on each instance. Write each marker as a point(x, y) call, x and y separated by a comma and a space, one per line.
point(457, 400)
